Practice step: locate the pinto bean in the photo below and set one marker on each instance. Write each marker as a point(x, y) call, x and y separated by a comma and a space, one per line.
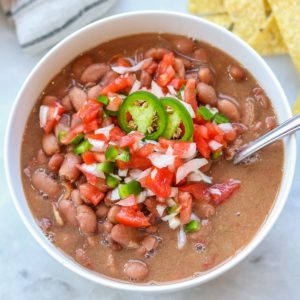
point(237, 73)
point(249, 112)
point(184, 45)
point(45, 183)
point(207, 94)
point(75, 196)
point(87, 219)
point(101, 211)
point(94, 92)
point(229, 109)
point(261, 97)
point(68, 211)
point(205, 75)
point(80, 64)
point(55, 162)
point(49, 100)
point(128, 237)
point(109, 77)
point(156, 53)
point(82, 258)
point(270, 122)
point(150, 242)
point(94, 72)
point(191, 75)
point(77, 97)
point(105, 227)
point(145, 79)
point(66, 103)
point(136, 269)
point(179, 68)
point(232, 149)
point(68, 169)
point(113, 211)
point(204, 210)
point(41, 157)
point(50, 144)
point(202, 55)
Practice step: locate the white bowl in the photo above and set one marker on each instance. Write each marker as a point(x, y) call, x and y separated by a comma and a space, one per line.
point(122, 25)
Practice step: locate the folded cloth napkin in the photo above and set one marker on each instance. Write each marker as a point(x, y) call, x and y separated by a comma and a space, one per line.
point(42, 23)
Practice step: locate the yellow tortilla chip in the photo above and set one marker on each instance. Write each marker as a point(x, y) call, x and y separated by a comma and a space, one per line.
point(296, 106)
point(246, 15)
point(221, 19)
point(268, 39)
point(206, 7)
point(287, 14)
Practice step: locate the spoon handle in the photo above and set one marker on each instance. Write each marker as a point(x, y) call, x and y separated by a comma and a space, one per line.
point(286, 128)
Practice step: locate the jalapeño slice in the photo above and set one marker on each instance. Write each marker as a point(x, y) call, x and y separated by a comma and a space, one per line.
point(180, 124)
point(142, 111)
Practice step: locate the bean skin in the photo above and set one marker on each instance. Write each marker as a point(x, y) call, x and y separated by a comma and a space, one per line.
point(179, 68)
point(184, 45)
point(55, 162)
point(101, 211)
point(66, 103)
point(202, 55)
point(50, 144)
point(94, 92)
point(207, 94)
point(145, 79)
point(156, 53)
point(229, 109)
point(136, 270)
point(237, 73)
point(87, 219)
point(68, 211)
point(80, 64)
point(75, 196)
point(94, 73)
point(68, 169)
point(113, 211)
point(127, 237)
point(205, 75)
point(249, 112)
point(204, 210)
point(77, 97)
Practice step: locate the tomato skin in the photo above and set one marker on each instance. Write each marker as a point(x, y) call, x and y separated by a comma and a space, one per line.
point(116, 134)
point(91, 193)
point(55, 110)
point(114, 103)
point(119, 84)
point(225, 189)
point(121, 61)
point(198, 190)
point(92, 179)
point(166, 77)
point(89, 111)
point(165, 71)
point(177, 83)
point(190, 95)
point(137, 162)
point(145, 150)
point(88, 157)
point(185, 200)
point(130, 139)
point(131, 217)
point(98, 136)
point(202, 144)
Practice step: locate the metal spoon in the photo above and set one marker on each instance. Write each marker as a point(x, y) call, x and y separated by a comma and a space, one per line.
point(286, 128)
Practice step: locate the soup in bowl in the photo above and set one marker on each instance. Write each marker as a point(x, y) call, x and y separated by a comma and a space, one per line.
point(127, 145)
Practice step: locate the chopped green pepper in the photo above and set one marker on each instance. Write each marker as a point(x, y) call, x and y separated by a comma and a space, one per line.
point(111, 153)
point(147, 115)
point(77, 139)
point(112, 181)
point(205, 113)
point(132, 187)
point(61, 134)
point(106, 167)
point(103, 99)
point(192, 226)
point(83, 147)
point(124, 156)
point(180, 124)
point(215, 155)
point(110, 112)
point(179, 94)
point(219, 118)
point(172, 209)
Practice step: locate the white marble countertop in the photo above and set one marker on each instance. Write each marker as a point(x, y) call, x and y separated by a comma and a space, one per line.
point(272, 271)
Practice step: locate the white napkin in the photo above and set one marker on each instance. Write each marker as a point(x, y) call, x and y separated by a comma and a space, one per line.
point(40, 24)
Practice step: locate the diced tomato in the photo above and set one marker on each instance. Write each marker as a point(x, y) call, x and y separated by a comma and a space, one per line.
point(160, 184)
point(164, 78)
point(230, 135)
point(131, 217)
point(202, 144)
point(92, 179)
point(91, 193)
point(122, 61)
point(165, 143)
point(55, 110)
point(122, 165)
point(199, 120)
point(222, 191)
point(116, 134)
point(88, 157)
point(130, 139)
point(119, 84)
point(98, 136)
point(151, 68)
point(129, 201)
point(165, 71)
point(89, 111)
point(190, 95)
point(137, 162)
point(114, 103)
point(145, 150)
point(181, 148)
point(177, 83)
point(73, 132)
point(178, 161)
point(185, 200)
point(213, 130)
point(198, 190)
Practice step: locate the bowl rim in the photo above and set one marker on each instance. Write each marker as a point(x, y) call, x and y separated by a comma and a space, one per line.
point(172, 286)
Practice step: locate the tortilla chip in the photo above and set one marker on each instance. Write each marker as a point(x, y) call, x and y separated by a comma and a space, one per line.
point(268, 39)
point(221, 19)
point(206, 7)
point(287, 14)
point(247, 16)
point(296, 106)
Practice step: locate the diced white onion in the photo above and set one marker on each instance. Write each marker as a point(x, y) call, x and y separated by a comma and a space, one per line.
point(160, 209)
point(188, 108)
point(171, 202)
point(181, 238)
point(174, 223)
point(161, 160)
point(174, 192)
point(169, 150)
point(115, 194)
point(199, 176)
point(143, 174)
point(127, 179)
point(137, 67)
point(134, 173)
point(191, 152)
point(92, 169)
point(213, 110)
point(214, 145)
point(171, 90)
point(149, 193)
point(156, 89)
point(122, 173)
point(226, 127)
point(135, 87)
point(194, 217)
point(215, 191)
point(151, 142)
point(153, 174)
point(98, 145)
point(189, 167)
point(170, 216)
point(105, 130)
point(141, 197)
point(43, 115)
